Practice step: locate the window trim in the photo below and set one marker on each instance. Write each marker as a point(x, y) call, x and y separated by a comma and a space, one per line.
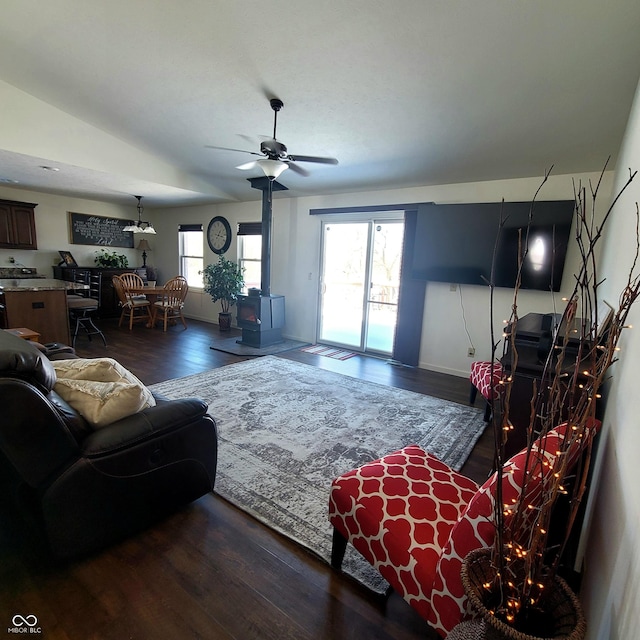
point(189, 228)
point(248, 229)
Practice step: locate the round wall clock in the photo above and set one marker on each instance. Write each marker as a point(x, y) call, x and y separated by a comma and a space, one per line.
point(219, 234)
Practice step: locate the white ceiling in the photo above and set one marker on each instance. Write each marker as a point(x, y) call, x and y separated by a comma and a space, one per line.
point(412, 92)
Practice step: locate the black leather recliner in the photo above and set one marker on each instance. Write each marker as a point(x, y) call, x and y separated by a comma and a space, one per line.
point(89, 488)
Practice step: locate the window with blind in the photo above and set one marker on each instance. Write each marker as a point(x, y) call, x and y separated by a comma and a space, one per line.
point(250, 253)
point(191, 252)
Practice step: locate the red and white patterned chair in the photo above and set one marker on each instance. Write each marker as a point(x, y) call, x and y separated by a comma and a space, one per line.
point(415, 519)
point(487, 382)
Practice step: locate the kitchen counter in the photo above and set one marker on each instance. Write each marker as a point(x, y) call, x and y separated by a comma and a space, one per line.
point(19, 272)
point(40, 304)
point(38, 284)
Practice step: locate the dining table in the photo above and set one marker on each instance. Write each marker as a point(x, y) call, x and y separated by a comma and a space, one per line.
point(152, 294)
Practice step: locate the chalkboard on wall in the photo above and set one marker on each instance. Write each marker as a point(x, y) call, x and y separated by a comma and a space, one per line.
point(99, 231)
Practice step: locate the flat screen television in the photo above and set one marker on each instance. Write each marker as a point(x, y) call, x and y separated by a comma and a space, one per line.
point(455, 243)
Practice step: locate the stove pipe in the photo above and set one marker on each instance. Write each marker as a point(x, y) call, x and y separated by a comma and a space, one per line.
point(267, 187)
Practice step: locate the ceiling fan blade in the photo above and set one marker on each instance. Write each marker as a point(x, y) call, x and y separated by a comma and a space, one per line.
point(250, 139)
point(316, 159)
point(294, 167)
point(253, 153)
point(247, 165)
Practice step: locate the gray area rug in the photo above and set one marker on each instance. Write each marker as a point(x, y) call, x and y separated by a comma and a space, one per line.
point(230, 344)
point(287, 429)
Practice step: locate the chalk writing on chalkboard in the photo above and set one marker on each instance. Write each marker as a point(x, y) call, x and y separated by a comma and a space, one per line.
point(99, 231)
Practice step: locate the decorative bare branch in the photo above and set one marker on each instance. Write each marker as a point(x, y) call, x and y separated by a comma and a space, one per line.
point(567, 391)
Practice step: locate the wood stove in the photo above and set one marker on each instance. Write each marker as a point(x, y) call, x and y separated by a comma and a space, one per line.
point(261, 319)
point(260, 314)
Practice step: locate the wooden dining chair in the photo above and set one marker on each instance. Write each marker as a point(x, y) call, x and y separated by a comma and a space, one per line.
point(170, 302)
point(132, 280)
point(134, 307)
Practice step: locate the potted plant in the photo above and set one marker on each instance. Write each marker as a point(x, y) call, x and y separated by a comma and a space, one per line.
point(111, 259)
point(514, 585)
point(223, 281)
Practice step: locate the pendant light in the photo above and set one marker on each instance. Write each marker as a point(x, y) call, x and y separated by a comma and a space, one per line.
point(142, 226)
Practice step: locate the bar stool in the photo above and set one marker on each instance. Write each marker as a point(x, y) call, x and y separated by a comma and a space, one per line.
point(82, 304)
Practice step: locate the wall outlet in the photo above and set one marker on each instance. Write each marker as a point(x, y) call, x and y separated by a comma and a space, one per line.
point(471, 352)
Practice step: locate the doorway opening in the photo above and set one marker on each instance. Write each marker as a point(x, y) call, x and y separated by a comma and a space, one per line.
point(360, 284)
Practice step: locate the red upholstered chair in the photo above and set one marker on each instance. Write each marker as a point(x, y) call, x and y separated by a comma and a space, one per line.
point(415, 519)
point(487, 382)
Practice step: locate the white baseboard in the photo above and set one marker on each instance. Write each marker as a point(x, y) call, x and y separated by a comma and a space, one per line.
point(447, 370)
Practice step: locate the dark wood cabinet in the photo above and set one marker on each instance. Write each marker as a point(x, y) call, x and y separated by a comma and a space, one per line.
point(533, 343)
point(3, 312)
point(17, 225)
point(108, 307)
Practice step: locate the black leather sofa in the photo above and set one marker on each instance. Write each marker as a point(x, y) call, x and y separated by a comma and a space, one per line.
point(88, 488)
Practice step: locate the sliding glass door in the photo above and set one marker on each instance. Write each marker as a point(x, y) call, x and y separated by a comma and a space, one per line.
point(384, 286)
point(360, 284)
point(343, 280)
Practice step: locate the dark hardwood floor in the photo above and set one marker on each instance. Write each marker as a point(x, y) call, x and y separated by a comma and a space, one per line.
point(209, 571)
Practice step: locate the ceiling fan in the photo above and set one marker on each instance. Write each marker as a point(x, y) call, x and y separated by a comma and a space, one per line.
point(274, 158)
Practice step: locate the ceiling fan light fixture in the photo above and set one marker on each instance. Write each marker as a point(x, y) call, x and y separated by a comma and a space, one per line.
point(272, 168)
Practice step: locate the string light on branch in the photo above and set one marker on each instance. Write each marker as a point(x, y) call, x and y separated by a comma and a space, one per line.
point(559, 426)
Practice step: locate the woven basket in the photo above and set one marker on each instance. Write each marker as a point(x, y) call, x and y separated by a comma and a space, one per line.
point(562, 605)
